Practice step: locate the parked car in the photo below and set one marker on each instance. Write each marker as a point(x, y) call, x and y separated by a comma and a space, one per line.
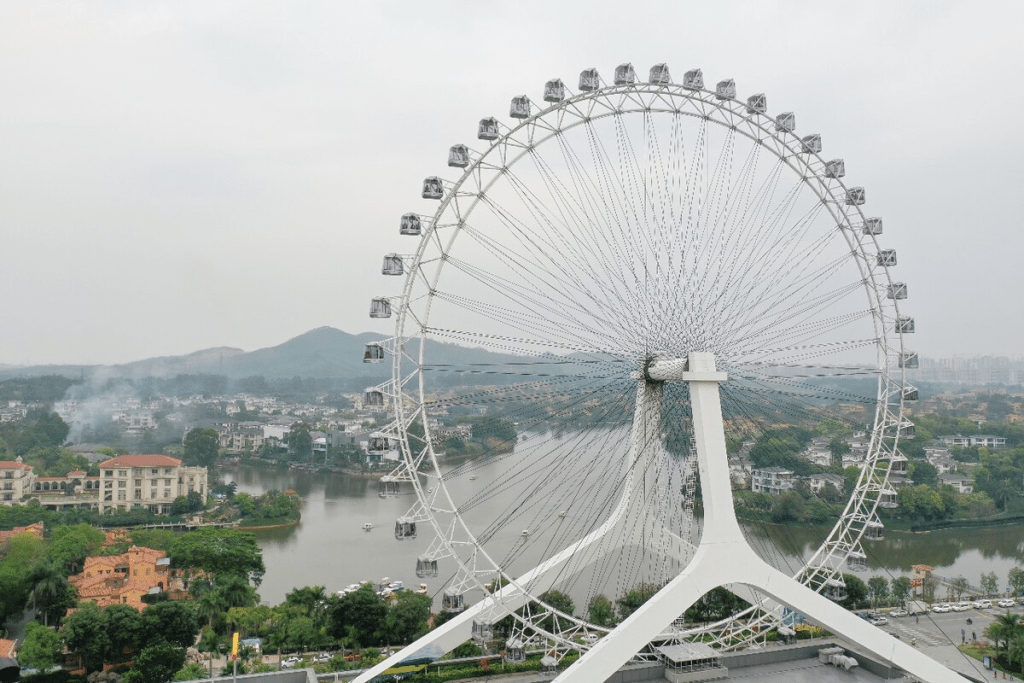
point(942, 609)
point(898, 613)
point(878, 620)
point(1006, 603)
point(962, 606)
point(291, 663)
point(982, 604)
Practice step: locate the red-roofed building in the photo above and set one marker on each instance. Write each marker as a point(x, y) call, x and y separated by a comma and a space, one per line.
point(33, 529)
point(8, 649)
point(125, 579)
point(151, 481)
point(16, 480)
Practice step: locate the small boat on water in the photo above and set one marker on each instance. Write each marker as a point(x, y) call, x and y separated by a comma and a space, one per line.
point(526, 533)
point(367, 527)
point(422, 590)
point(472, 477)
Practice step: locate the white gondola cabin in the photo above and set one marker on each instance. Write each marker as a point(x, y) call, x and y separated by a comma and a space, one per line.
point(757, 104)
point(897, 291)
point(785, 122)
point(554, 90)
point(488, 129)
point(452, 602)
point(380, 308)
point(904, 324)
point(378, 444)
point(410, 225)
point(835, 168)
point(908, 359)
point(834, 590)
point(857, 561)
point(388, 487)
point(393, 265)
point(373, 398)
point(373, 353)
point(811, 144)
point(458, 156)
point(855, 196)
point(898, 463)
point(872, 226)
point(483, 631)
point(910, 393)
point(425, 567)
point(874, 531)
point(693, 79)
point(726, 90)
point(887, 257)
point(659, 75)
point(590, 80)
point(888, 498)
point(405, 528)
point(515, 652)
point(520, 107)
point(907, 429)
point(548, 665)
point(433, 188)
point(624, 74)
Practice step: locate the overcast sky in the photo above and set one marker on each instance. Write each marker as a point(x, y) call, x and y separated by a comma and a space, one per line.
point(182, 175)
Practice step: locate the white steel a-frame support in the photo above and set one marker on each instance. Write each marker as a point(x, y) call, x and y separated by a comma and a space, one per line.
point(724, 557)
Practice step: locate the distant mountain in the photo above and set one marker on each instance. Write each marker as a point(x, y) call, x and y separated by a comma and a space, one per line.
point(325, 352)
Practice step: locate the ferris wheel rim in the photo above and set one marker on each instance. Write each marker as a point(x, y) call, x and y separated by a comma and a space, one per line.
point(886, 398)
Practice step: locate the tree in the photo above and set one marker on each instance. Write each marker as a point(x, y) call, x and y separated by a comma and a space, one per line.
point(878, 587)
point(52, 593)
point(126, 632)
point(362, 611)
point(192, 672)
point(1002, 630)
point(85, 633)
point(925, 473)
point(234, 591)
point(40, 648)
point(637, 596)
point(71, 544)
point(718, 603)
point(220, 552)
point(156, 664)
point(174, 621)
point(561, 602)
point(838, 447)
point(408, 617)
point(959, 586)
point(900, 590)
point(299, 440)
point(856, 593)
point(1016, 580)
point(990, 583)
point(601, 610)
point(200, 447)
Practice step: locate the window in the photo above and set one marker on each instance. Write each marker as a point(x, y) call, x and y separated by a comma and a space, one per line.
point(167, 493)
point(138, 494)
point(9, 475)
point(120, 473)
point(8, 496)
point(121, 484)
point(109, 484)
point(167, 482)
point(110, 473)
point(167, 470)
point(120, 495)
point(154, 471)
point(152, 493)
point(138, 482)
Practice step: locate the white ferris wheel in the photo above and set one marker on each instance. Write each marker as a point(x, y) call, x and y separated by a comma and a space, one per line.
point(596, 264)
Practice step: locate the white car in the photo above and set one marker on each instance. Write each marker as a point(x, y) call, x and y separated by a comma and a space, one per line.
point(898, 613)
point(982, 604)
point(962, 606)
point(290, 663)
point(878, 621)
point(942, 609)
point(1006, 603)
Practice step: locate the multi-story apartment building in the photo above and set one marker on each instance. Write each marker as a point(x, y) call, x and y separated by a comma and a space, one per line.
point(771, 480)
point(16, 481)
point(152, 481)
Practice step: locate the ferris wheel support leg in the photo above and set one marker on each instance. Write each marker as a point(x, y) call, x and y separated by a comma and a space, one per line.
point(725, 557)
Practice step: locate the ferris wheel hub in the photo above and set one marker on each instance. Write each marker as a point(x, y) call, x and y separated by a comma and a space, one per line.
point(697, 366)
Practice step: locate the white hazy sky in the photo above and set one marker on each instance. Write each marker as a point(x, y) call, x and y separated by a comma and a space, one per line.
point(182, 175)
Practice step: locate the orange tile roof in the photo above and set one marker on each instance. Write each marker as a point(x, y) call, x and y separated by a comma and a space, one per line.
point(13, 465)
point(7, 648)
point(34, 529)
point(141, 461)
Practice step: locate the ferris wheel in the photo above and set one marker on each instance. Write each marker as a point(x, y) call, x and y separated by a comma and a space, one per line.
point(591, 264)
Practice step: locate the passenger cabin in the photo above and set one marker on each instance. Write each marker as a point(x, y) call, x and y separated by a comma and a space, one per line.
point(410, 225)
point(835, 168)
point(874, 531)
point(726, 90)
point(785, 122)
point(908, 359)
point(834, 590)
point(811, 144)
point(432, 188)
point(452, 602)
point(659, 75)
point(857, 561)
point(373, 353)
point(872, 226)
point(405, 528)
point(483, 631)
point(388, 487)
point(378, 444)
point(515, 652)
point(907, 430)
point(488, 129)
point(897, 291)
point(425, 567)
point(590, 80)
point(904, 324)
point(887, 257)
point(458, 156)
point(693, 79)
point(520, 107)
point(624, 74)
point(373, 398)
point(380, 308)
point(554, 90)
point(757, 104)
point(548, 665)
point(888, 498)
point(898, 464)
point(393, 265)
point(910, 393)
point(855, 196)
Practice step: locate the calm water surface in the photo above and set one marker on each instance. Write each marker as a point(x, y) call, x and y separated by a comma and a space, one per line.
point(330, 548)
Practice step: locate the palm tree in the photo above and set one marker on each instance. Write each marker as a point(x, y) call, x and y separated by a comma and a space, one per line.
point(50, 586)
point(235, 591)
point(1015, 648)
point(1003, 630)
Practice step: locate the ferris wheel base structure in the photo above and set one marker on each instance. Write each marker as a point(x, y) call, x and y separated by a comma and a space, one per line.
point(723, 557)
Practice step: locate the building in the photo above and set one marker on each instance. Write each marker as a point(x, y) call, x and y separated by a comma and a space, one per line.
point(771, 480)
point(150, 481)
point(960, 482)
point(33, 529)
point(816, 482)
point(125, 579)
point(16, 481)
point(988, 441)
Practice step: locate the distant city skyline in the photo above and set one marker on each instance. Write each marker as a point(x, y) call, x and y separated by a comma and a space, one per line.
point(177, 177)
